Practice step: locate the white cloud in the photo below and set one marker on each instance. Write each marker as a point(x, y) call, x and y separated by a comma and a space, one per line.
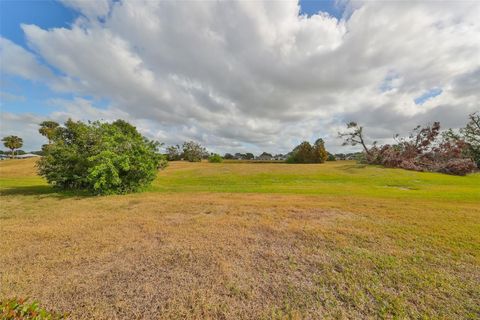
point(90, 8)
point(24, 125)
point(17, 61)
point(257, 75)
point(9, 97)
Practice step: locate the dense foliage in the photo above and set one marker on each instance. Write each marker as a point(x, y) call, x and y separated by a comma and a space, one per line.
point(12, 143)
point(215, 158)
point(17, 308)
point(307, 153)
point(101, 158)
point(425, 149)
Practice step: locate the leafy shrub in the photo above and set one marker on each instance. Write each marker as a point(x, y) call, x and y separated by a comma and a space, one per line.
point(101, 158)
point(18, 308)
point(215, 158)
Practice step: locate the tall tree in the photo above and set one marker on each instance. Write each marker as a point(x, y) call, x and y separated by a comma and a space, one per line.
point(48, 129)
point(12, 143)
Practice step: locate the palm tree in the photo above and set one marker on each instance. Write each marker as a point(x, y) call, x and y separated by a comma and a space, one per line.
point(12, 143)
point(47, 129)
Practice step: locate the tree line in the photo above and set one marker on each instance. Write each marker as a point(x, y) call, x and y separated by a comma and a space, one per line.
point(303, 153)
point(114, 158)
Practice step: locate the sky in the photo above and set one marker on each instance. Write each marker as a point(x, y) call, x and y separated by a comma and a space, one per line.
point(239, 76)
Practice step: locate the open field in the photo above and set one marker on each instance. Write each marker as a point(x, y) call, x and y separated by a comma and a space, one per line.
point(251, 241)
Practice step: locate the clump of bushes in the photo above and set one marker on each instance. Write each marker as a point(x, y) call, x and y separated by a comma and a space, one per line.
point(425, 149)
point(17, 308)
point(100, 158)
point(215, 158)
point(307, 153)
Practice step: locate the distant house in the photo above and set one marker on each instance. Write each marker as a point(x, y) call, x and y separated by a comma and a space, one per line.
point(265, 156)
point(27, 155)
point(280, 157)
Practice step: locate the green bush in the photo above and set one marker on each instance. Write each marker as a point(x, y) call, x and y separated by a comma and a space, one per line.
point(215, 158)
point(100, 158)
point(16, 308)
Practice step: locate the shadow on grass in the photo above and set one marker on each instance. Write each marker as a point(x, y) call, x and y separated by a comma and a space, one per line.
point(352, 167)
point(42, 190)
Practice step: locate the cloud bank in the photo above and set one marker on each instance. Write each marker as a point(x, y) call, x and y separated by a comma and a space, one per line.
point(257, 76)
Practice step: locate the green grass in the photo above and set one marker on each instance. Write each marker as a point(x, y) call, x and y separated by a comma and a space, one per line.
point(247, 240)
point(342, 178)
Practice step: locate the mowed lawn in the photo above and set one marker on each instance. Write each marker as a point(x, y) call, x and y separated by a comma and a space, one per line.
point(247, 241)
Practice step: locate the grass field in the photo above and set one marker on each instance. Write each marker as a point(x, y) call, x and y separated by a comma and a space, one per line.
point(247, 241)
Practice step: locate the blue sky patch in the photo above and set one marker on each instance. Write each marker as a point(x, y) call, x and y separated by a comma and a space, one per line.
point(430, 94)
point(388, 82)
point(310, 7)
point(45, 14)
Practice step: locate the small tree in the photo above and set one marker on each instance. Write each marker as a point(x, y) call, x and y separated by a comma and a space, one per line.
point(101, 158)
point(228, 156)
point(215, 158)
point(249, 156)
point(354, 136)
point(48, 129)
point(12, 143)
point(303, 153)
point(193, 151)
point(174, 153)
